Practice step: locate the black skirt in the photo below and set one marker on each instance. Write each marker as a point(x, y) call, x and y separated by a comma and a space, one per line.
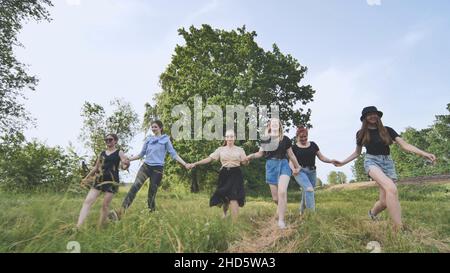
point(230, 187)
point(106, 183)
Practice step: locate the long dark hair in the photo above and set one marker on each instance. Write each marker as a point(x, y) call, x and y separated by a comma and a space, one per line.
point(363, 135)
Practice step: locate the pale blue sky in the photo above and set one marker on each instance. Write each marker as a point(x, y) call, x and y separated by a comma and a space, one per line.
point(393, 54)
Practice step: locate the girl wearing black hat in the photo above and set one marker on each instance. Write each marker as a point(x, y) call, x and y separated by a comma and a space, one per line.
point(378, 164)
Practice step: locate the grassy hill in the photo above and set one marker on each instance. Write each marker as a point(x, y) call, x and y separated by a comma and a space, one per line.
point(185, 223)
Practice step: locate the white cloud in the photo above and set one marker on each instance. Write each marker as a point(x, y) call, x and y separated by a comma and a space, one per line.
point(374, 2)
point(73, 2)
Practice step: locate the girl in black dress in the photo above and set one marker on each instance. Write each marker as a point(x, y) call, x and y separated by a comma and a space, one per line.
point(106, 180)
point(230, 188)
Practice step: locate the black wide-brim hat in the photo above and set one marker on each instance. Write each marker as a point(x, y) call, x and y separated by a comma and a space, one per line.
point(370, 109)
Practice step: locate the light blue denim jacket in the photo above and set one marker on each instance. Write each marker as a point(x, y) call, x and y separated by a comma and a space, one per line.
point(155, 149)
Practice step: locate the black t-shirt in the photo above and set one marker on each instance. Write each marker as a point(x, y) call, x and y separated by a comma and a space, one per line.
point(306, 157)
point(376, 146)
point(281, 151)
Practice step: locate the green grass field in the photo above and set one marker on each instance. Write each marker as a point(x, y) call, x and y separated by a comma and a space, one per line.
point(185, 223)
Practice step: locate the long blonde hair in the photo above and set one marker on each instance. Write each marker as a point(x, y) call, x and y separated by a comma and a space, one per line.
point(363, 135)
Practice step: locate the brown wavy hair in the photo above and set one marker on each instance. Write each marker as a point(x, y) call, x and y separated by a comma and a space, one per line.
point(363, 135)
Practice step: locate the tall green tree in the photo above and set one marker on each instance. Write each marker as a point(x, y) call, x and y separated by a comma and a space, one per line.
point(14, 78)
point(123, 121)
point(229, 68)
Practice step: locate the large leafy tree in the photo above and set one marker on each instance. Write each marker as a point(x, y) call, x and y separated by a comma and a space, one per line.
point(229, 68)
point(14, 78)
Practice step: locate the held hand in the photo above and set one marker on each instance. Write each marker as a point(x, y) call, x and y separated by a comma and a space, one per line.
point(296, 171)
point(125, 164)
point(249, 158)
point(337, 163)
point(245, 161)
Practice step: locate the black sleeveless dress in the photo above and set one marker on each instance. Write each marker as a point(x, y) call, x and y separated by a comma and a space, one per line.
point(108, 179)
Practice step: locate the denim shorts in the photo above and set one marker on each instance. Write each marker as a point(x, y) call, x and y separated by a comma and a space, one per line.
point(275, 168)
point(384, 162)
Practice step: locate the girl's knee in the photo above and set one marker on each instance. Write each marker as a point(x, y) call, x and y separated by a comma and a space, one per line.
point(392, 189)
point(89, 202)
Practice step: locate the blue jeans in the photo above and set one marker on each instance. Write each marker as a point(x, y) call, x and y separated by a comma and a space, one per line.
point(384, 162)
point(307, 180)
point(275, 168)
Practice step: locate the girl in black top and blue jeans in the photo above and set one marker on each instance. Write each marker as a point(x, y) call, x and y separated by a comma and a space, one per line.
point(277, 149)
point(306, 151)
point(378, 163)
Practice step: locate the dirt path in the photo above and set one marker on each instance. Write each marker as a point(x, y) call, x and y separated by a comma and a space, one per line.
point(267, 236)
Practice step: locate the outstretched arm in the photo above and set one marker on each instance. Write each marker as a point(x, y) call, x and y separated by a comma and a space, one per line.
point(203, 161)
point(326, 159)
point(123, 157)
point(181, 161)
point(258, 154)
point(293, 161)
point(413, 149)
point(353, 156)
point(125, 161)
point(95, 169)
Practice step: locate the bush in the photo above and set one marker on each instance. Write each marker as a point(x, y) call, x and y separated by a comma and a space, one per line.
point(32, 166)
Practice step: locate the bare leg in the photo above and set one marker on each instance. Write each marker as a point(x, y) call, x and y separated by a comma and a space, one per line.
point(380, 205)
point(105, 208)
point(234, 206)
point(225, 209)
point(392, 202)
point(87, 204)
point(274, 192)
point(283, 184)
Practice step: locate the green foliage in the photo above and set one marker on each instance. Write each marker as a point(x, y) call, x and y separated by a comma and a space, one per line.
point(319, 182)
point(123, 121)
point(434, 140)
point(336, 178)
point(13, 74)
point(228, 68)
point(31, 166)
point(358, 169)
